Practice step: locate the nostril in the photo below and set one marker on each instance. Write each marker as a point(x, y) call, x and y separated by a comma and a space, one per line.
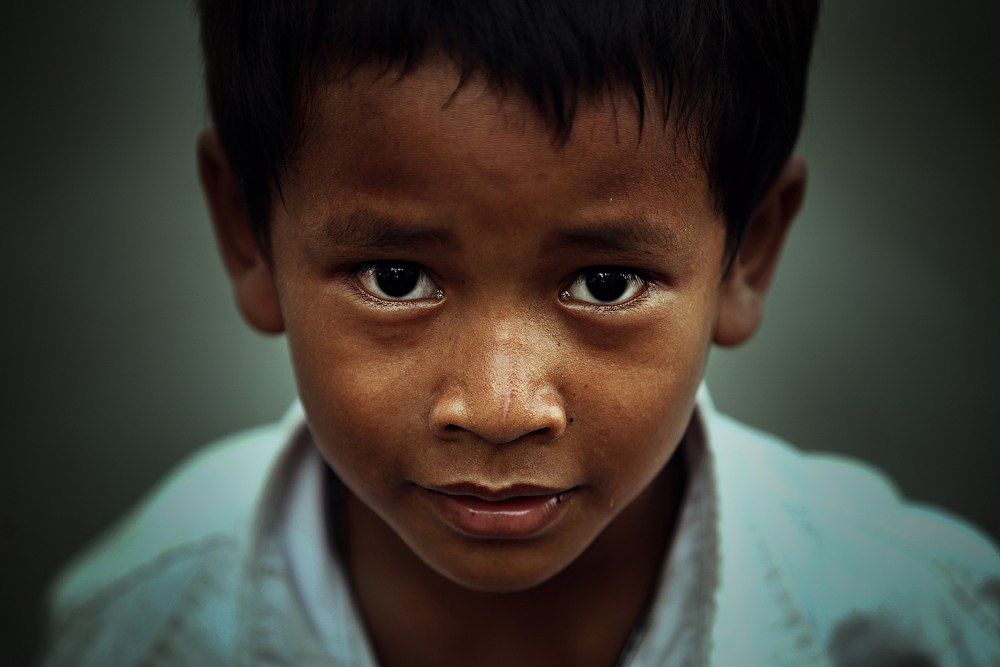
point(541, 418)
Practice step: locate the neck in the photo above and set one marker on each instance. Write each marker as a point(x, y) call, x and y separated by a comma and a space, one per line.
point(584, 614)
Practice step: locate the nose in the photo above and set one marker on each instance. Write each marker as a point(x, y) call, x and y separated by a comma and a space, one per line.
point(497, 389)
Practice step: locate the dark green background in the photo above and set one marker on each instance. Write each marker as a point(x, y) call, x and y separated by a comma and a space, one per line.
point(880, 339)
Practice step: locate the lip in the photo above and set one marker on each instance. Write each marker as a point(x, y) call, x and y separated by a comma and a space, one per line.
point(514, 512)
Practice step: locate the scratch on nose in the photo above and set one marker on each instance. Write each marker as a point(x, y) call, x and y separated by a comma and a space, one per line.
point(506, 402)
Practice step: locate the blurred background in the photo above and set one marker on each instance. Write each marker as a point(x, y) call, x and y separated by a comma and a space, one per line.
point(880, 339)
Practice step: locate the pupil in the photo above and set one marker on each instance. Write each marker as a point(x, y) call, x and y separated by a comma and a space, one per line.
point(396, 280)
point(607, 285)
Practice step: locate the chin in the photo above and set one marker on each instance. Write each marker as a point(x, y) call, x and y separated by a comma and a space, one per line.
point(498, 567)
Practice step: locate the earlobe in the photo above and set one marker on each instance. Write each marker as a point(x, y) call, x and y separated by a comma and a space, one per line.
point(740, 313)
point(741, 304)
point(248, 268)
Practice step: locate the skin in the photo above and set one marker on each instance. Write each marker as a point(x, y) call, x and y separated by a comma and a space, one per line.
point(497, 380)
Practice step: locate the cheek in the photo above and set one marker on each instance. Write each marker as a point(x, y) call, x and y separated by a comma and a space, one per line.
point(635, 402)
point(362, 397)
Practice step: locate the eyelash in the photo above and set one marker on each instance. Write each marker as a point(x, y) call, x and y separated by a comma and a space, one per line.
point(633, 275)
point(646, 287)
point(354, 279)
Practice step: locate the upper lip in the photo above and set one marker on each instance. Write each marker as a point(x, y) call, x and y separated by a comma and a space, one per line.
point(499, 493)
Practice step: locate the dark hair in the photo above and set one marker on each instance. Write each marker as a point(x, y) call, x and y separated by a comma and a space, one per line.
point(731, 72)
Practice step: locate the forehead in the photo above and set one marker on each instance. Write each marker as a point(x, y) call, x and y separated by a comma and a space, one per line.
point(422, 139)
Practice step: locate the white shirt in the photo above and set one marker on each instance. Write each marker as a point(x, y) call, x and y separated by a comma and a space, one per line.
point(780, 558)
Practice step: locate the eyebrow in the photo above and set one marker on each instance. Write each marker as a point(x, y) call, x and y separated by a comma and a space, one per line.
point(626, 236)
point(365, 229)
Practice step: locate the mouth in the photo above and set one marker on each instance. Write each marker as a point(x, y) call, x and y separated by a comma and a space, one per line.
point(514, 512)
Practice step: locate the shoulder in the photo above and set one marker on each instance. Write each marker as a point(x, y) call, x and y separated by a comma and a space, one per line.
point(839, 498)
point(176, 554)
point(871, 574)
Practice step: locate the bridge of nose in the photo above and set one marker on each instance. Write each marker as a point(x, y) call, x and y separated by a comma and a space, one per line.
point(500, 386)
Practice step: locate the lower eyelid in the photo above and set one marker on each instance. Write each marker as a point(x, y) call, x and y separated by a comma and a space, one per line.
point(634, 307)
point(372, 300)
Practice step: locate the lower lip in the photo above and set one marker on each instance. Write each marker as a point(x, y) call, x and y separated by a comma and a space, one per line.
point(511, 519)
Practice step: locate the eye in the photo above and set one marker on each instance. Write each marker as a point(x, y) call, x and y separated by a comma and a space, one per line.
point(604, 286)
point(398, 281)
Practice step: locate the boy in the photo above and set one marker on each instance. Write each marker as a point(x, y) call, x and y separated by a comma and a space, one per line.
point(501, 238)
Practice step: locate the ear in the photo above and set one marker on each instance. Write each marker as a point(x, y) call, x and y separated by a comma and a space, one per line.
point(248, 268)
point(741, 306)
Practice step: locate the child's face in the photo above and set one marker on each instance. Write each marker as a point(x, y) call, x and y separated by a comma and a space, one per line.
point(471, 308)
